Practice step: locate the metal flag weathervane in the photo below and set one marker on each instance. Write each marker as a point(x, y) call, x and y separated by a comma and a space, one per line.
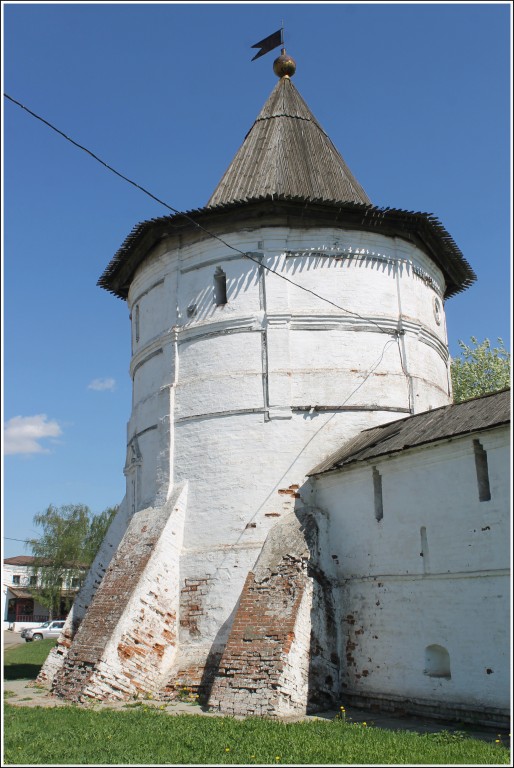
point(270, 42)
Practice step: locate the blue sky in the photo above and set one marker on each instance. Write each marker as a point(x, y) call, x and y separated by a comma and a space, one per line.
point(415, 96)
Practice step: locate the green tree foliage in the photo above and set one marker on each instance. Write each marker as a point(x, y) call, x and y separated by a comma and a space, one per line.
point(480, 369)
point(70, 538)
point(97, 529)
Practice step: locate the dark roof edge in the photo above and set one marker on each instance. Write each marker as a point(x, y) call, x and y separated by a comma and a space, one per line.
point(438, 242)
point(391, 431)
point(390, 451)
point(30, 561)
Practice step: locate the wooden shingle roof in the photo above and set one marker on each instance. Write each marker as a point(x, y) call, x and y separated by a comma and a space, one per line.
point(480, 413)
point(287, 153)
point(288, 170)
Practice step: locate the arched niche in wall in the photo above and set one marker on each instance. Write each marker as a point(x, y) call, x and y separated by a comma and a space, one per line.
point(437, 662)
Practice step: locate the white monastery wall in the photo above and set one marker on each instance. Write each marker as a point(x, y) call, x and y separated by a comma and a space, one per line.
point(214, 359)
point(433, 571)
point(215, 387)
point(240, 400)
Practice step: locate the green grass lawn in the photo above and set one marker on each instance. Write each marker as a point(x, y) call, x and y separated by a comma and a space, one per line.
point(23, 662)
point(73, 736)
point(145, 735)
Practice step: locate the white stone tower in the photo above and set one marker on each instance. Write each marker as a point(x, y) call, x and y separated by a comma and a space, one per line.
point(268, 327)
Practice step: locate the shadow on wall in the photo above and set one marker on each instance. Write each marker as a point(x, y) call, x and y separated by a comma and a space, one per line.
point(280, 655)
point(324, 677)
point(200, 305)
point(323, 667)
point(212, 664)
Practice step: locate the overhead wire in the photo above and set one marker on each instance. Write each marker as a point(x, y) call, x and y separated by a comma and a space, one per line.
point(314, 436)
point(246, 255)
point(24, 541)
point(372, 369)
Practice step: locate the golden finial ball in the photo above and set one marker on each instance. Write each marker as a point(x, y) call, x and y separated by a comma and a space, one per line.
point(284, 66)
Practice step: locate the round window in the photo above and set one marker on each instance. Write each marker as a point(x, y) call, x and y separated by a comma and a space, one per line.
point(437, 310)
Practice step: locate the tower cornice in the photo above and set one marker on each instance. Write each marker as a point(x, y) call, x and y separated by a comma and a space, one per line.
point(422, 229)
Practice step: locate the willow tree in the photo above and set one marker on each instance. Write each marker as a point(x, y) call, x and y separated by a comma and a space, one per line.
point(70, 538)
point(480, 369)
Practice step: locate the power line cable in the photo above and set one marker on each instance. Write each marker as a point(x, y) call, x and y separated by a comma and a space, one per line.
point(189, 218)
point(25, 541)
point(312, 437)
point(372, 369)
point(233, 248)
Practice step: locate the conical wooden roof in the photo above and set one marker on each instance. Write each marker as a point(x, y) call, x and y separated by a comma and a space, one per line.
point(287, 171)
point(287, 153)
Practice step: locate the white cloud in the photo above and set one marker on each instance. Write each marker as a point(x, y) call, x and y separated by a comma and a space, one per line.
point(102, 384)
point(23, 433)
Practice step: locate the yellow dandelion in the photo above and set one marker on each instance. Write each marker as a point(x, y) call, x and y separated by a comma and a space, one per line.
point(497, 741)
point(227, 749)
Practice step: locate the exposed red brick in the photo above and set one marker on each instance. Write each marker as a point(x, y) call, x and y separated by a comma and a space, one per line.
point(260, 639)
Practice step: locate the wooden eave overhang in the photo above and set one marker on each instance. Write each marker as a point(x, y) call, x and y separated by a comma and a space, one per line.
point(422, 229)
point(20, 593)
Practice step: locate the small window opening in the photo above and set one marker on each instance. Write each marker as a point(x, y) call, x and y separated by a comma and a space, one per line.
point(484, 490)
point(33, 581)
point(16, 579)
point(377, 491)
point(437, 662)
point(424, 548)
point(220, 287)
point(137, 323)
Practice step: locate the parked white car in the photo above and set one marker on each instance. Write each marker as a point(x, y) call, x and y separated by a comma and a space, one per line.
point(46, 630)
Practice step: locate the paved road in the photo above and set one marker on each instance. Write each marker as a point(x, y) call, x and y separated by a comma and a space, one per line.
point(12, 638)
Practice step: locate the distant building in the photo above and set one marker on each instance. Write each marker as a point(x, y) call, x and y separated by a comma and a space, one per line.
point(19, 592)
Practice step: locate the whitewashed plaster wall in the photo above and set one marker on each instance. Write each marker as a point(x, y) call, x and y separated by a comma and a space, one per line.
point(433, 571)
point(227, 397)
